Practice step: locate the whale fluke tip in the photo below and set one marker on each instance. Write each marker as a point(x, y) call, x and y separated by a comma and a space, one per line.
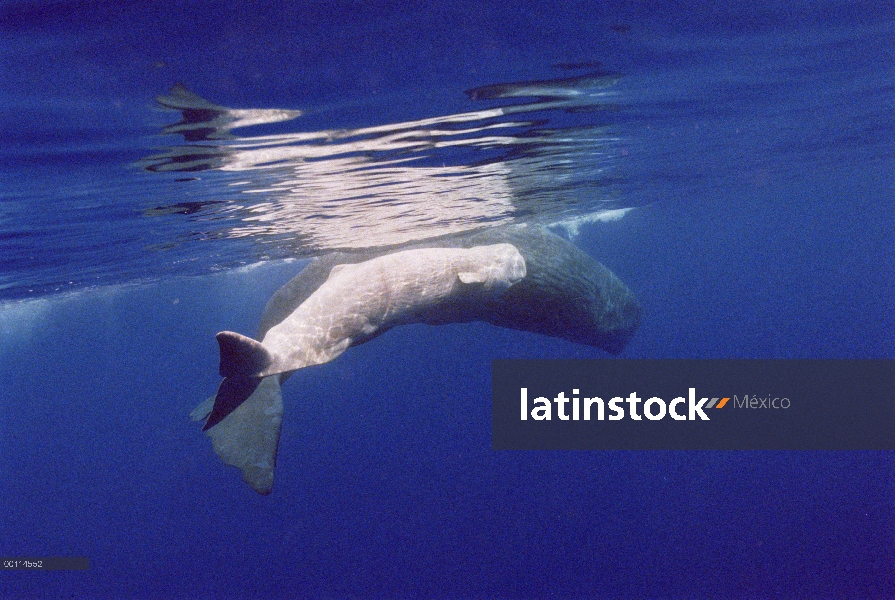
point(242, 356)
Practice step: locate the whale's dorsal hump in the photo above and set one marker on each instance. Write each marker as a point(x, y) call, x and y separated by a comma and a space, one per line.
point(339, 269)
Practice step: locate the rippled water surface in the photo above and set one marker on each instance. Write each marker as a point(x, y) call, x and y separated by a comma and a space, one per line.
point(105, 183)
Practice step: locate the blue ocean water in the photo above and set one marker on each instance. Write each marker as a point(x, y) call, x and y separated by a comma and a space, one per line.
point(751, 141)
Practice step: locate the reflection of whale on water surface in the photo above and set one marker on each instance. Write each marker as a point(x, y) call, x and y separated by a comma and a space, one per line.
point(520, 277)
point(541, 151)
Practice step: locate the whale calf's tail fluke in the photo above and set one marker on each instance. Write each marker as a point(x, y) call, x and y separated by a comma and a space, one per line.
point(243, 421)
point(241, 356)
point(244, 418)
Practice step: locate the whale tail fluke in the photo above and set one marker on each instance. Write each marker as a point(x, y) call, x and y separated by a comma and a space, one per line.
point(243, 421)
point(242, 357)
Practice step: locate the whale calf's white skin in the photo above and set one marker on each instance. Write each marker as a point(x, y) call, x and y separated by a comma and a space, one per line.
point(360, 301)
point(520, 277)
point(356, 303)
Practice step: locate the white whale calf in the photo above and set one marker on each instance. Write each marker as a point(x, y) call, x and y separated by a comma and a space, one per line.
point(360, 301)
point(521, 277)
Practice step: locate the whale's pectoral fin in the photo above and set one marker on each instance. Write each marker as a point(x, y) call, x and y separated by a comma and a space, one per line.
point(247, 437)
point(470, 278)
point(242, 356)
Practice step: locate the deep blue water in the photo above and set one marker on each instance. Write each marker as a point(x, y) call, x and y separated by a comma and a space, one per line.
point(754, 141)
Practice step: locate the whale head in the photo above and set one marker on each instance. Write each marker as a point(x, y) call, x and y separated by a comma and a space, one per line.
point(496, 267)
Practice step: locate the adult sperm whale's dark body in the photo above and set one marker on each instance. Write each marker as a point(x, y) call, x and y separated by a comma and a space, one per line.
point(564, 293)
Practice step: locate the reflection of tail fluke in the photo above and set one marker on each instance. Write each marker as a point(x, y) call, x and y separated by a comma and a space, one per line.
point(203, 120)
point(243, 422)
point(194, 107)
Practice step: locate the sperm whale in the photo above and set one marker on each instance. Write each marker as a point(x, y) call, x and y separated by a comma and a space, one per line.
point(359, 302)
point(520, 277)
